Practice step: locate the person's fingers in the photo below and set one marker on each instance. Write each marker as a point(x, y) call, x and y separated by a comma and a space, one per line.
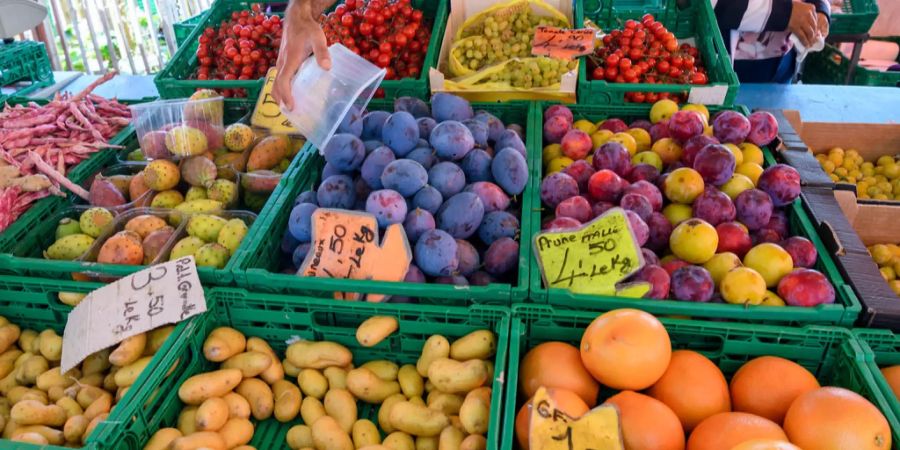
point(807, 35)
point(320, 49)
point(287, 68)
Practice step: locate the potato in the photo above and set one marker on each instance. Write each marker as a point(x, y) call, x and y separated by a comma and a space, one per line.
point(162, 438)
point(481, 344)
point(417, 401)
point(51, 345)
point(446, 403)
point(26, 339)
point(207, 440)
point(9, 334)
point(473, 442)
point(250, 364)
point(244, 447)
point(236, 432)
point(30, 437)
point(489, 367)
point(8, 383)
point(287, 400)
point(32, 412)
point(31, 367)
point(156, 338)
point(8, 361)
point(450, 439)
point(74, 428)
point(328, 434)
point(127, 375)
point(120, 393)
point(259, 395)
point(223, 343)
point(129, 350)
point(454, 377)
point(24, 356)
point(436, 347)
point(217, 383)
point(411, 383)
point(364, 433)
point(187, 420)
point(384, 412)
point(312, 383)
point(336, 376)
point(399, 440)
point(375, 329)
point(299, 436)
point(373, 447)
point(18, 393)
point(275, 371)
point(97, 379)
point(386, 370)
point(311, 410)
point(290, 370)
point(318, 355)
point(238, 406)
point(93, 424)
point(476, 410)
point(70, 406)
point(211, 414)
point(340, 405)
point(53, 378)
point(96, 363)
point(417, 420)
point(101, 405)
point(366, 386)
point(427, 443)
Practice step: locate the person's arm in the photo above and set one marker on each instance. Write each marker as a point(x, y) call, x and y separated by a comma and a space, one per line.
point(767, 15)
point(302, 35)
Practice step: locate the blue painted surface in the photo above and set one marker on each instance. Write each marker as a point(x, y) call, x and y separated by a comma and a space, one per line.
point(824, 103)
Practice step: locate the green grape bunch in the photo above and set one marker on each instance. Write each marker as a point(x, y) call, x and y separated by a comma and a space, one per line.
point(533, 72)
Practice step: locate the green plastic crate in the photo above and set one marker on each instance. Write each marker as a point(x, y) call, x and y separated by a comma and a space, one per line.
point(25, 301)
point(260, 265)
point(830, 66)
point(277, 319)
point(184, 28)
point(175, 80)
point(25, 61)
point(857, 17)
point(843, 312)
point(695, 21)
point(885, 351)
point(833, 355)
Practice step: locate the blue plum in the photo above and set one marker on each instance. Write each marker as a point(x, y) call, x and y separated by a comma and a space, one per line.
point(510, 139)
point(495, 125)
point(404, 176)
point(374, 165)
point(300, 222)
point(498, 224)
point(345, 152)
point(417, 222)
point(288, 242)
point(352, 122)
point(450, 107)
point(426, 125)
point(400, 133)
point(501, 257)
point(372, 124)
point(468, 257)
point(372, 144)
point(479, 132)
point(337, 191)
point(306, 197)
point(510, 171)
point(447, 178)
point(329, 170)
point(481, 278)
point(460, 215)
point(299, 254)
point(424, 156)
point(452, 140)
point(412, 105)
point(429, 199)
point(435, 253)
point(477, 166)
point(388, 206)
point(492, 197)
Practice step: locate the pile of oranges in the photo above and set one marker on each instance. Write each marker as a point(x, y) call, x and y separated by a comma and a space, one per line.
point(676, 400)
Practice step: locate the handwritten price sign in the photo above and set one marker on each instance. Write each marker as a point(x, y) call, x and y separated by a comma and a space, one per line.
point(553, 429)
point(267, 114)
point(563, 43)
point(156, 296)
point(345, 244)
point(592, 259)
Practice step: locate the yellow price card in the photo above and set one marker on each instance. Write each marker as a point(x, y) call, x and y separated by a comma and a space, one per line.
point(267, 115)
point(553, 429)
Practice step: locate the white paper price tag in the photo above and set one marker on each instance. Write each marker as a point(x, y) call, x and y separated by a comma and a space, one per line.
point(156, 296)
point(708, 95)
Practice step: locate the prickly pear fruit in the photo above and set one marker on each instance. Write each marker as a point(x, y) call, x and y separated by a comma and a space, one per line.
point(206, 109)
point(161, 175)
point(67, 226)
point(282, 166)
point(167, 199)
point(138, 191)
point(255, 201)
point(123, 247)
point(232, 234)
point(184, 247)
point(69, 247)
point(121, 182)
point(230, 164)
point(94, 220)
point(145, 224)
point(104, 193)
point(215, 134)
point(186, 141)
point(205, 226)
point(225, 191)
point(294, 147)
point(153, 145)
point(198, 171)
point(212, 255)
point(195, 193)
point(195, 207)
point(154, 243)
point(238, 137)
point(267, 153)
point(261, 181)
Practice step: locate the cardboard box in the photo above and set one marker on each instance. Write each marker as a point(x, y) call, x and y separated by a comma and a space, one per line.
point(871, 140)
point(460, 10)
point(874, 223)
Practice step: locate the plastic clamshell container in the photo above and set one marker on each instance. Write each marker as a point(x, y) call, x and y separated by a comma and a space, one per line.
point(843, 311)
point(277, 319)
point(153, 120)
point(322, 98)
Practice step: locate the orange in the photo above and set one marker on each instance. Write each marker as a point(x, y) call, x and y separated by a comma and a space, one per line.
point(726, 430)
point(557, 364)
point(766, 386)
point(892, 375)
point(832, 418)
point(647, 423)
point(765, 444)
point(566, 401)
point(626, 349)
point(694, 387)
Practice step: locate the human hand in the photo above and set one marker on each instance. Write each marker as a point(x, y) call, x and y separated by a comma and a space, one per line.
point(302, 35)
point(822, 23)
point(803, 23)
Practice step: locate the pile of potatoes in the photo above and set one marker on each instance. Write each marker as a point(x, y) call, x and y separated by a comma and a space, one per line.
point(441, 402)
point(40, 405)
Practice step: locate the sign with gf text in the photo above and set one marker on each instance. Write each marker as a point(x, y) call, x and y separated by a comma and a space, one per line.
point(553, 429)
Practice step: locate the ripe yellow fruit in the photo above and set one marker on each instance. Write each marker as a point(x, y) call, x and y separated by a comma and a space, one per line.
point(694, 241)
point(744, 286)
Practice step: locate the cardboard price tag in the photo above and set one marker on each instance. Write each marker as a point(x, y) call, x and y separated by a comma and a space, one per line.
point(345, 244)
point(592, 259)
point(553, 429)
point(159, 295)
point(563, 43)
point(267, 114)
